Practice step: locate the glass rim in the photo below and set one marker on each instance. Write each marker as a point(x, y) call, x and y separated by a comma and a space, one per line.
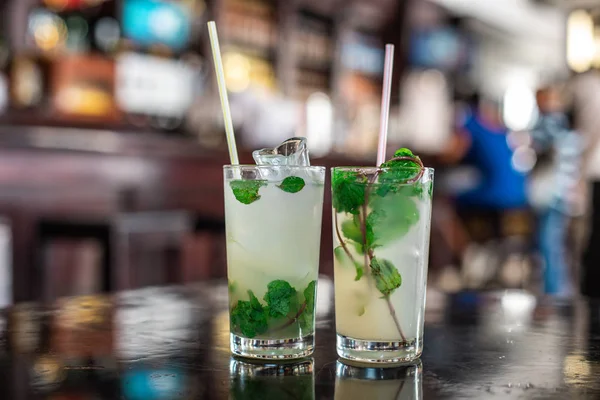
point(373, 169)
point(259, 167)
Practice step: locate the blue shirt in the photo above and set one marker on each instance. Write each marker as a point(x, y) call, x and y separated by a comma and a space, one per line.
point(502, 186)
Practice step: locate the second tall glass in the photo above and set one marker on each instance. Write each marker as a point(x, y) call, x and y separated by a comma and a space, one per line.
point(381, 224)
point(273, 227)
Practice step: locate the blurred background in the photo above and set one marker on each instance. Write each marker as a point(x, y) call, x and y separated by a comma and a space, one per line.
point(112, 140)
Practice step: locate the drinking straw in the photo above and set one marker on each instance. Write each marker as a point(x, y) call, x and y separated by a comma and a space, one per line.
point(216, 51)
point(385, 102)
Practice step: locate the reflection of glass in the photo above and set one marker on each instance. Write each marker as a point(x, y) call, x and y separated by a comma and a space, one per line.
point(273, 221)
point(378, 383)
point(381, 243)
point(272, 381)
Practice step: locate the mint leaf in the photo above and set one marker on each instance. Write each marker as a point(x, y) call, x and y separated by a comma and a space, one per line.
point(391, 218)
point(397, 171)
point(342, 257)
point(249, 317)
point(359, 248)
point(292, 184)
point(232, 286)
point(351, 230)
point(246, 191)
point(387, 277)
point(395, 175)
point(359, 272)
point(348, 191)
point(281, 298)
point(403, 152)
point(339, 253)
point(307, 319)
point(309, 296)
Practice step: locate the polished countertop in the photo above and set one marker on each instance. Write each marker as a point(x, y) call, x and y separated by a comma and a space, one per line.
point(172, 343)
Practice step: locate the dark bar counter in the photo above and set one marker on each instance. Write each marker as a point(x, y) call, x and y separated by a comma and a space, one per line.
point(172, 343)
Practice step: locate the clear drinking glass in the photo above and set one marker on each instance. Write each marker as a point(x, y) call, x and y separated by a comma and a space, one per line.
point(273, 227)
point(378, 383)
point(381, 224)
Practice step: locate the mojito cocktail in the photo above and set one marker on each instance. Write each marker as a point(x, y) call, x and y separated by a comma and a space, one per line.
point(273, 227)
point(381, 224)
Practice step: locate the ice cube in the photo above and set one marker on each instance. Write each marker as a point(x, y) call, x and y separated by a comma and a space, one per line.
point(292, 152)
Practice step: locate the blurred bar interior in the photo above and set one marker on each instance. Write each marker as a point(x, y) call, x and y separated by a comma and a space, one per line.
point(112, 140)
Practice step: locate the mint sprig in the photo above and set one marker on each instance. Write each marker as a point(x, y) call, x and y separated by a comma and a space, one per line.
point(282, 309)
point(250, 317)
point(292, 184)
point(246, 191)
point(280, 298)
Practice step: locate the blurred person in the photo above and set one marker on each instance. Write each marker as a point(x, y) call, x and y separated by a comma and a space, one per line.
point(552, 185)
point(490, 197)
point(500, 186)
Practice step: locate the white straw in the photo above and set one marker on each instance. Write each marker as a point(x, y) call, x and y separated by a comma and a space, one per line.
point(385, 102)
point(216, 51)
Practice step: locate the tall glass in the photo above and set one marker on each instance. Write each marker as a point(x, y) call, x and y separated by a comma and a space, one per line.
point(381, 224)
point(273, 226)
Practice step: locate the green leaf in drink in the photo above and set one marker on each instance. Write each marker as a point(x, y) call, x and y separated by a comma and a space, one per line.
point(362, 310)
point(339, 253)
point(306, 318)
point(343, 258)
point(281, 298)
point(309, 296)
point(232, 286)
point(391, 218)
point(397, 171)
point(348, 190)
point(250, 317)
point(246, 191)
point(359, 272)
point(292, 184)
point(351, 230)
point(387, 277)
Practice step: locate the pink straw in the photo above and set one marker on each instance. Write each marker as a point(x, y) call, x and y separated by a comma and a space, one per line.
point(385, 102)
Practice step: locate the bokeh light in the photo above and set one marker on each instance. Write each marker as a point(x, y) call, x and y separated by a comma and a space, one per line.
point(237, 72)
point(48, 30)
point(581, 45)
point(520, 109)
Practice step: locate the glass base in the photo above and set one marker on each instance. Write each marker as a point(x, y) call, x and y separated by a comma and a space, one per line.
point(358, 351)
point(272, 349)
